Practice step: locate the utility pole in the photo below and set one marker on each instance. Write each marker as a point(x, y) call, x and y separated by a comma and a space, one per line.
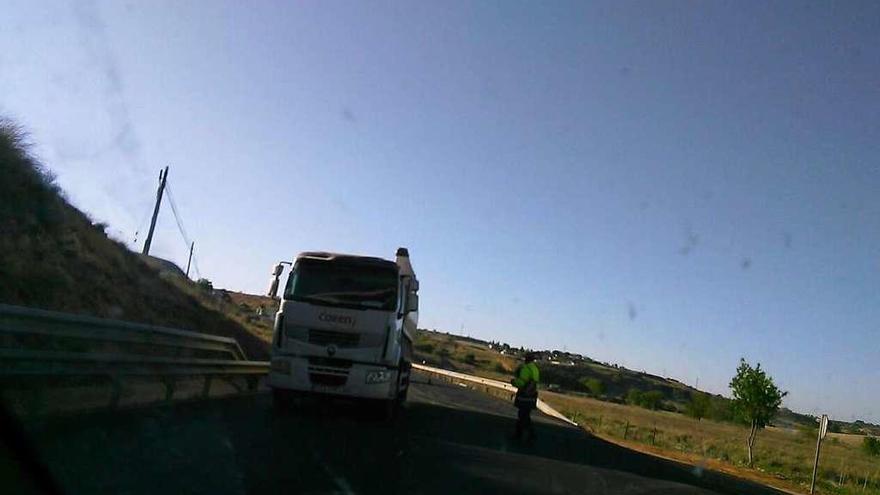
point(191, 246)
point(823, 430)
point(163, 177)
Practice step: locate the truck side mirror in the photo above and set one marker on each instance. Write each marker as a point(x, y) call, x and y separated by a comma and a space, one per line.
point(276, 273)
point(412, 302)
point(273, 289)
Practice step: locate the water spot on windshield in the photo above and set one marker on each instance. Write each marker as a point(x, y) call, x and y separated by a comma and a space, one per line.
point(691, 240)
point(786, 240)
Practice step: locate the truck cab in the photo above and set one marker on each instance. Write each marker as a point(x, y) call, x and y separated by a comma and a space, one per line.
point(345, 326)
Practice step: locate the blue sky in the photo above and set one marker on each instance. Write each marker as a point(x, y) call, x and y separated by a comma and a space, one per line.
point(664, 185)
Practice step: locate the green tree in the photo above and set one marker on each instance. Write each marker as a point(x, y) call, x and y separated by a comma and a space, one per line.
point(698, 405)
point(756, 399)
point(594, 386)
point(205, 284)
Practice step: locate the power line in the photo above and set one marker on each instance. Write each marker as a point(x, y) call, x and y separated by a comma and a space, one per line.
point(177, 216)
point(141, 225)
point(186, 239)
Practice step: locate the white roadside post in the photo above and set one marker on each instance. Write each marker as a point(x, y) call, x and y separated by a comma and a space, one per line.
point(823, 429)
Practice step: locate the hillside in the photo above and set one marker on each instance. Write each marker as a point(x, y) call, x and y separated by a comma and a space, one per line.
point(567, 372)
point(52, 256)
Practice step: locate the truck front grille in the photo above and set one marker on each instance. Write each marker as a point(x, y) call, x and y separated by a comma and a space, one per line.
point(327, 337)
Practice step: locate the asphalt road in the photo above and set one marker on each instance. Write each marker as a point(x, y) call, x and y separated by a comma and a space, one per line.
point(448, 439)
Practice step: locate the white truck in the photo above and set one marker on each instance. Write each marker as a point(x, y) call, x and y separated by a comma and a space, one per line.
point(345, 326)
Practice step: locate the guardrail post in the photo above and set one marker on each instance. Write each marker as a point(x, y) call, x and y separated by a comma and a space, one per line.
point(626, 430)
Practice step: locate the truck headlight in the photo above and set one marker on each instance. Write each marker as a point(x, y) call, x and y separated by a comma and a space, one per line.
point(281, 366)
point(378, 376)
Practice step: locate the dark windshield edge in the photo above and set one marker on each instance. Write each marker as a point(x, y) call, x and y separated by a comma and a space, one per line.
point(319, 302)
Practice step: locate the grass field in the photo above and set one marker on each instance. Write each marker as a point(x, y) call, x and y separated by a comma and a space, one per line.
point(783, 457)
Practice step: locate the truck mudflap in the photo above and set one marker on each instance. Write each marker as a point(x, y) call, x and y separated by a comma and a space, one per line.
point(403, 382)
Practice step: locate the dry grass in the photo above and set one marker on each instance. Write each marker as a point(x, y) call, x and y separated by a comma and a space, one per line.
point(783, 457)
point(448, 352)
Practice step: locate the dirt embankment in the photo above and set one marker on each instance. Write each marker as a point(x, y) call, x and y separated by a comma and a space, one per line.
point(52, 256)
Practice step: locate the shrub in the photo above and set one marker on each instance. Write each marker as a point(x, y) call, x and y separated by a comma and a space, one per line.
point(698, 406)
point(871, 446)
point(425, 347)
point(649, 400)
point(594, 386)
point(634, 397)
point(720, 410)
point(470, 359)
point(500, 368)
point(652, 399)
point(205, 284)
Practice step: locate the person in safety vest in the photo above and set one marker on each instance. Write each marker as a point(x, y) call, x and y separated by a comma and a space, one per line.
point(525, 380)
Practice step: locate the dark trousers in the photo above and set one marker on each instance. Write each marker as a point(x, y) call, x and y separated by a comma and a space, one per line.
point(524, 421)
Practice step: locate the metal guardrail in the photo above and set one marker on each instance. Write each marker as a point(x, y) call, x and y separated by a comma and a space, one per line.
point(542, 406)
point(36, 343)
point(17, 320)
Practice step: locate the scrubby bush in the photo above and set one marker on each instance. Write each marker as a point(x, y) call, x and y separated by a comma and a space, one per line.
point(652, 399)
point(634, 397)
point(594, 386)
point(649, 400)
point(426, 347)
point(698, 406)
point(871, 446)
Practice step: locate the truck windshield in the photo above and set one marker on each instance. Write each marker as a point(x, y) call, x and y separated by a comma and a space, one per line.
point(339, 284)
